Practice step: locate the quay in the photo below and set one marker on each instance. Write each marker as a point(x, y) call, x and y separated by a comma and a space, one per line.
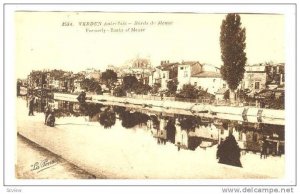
point(238, 113)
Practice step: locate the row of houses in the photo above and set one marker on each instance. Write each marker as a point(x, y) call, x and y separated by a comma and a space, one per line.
point(257, 77)
point(58, 80)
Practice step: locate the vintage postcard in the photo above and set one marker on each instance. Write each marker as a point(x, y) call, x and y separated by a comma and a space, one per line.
point(152, 95)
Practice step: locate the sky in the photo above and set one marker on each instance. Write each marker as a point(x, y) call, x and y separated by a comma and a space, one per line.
point(42, 42)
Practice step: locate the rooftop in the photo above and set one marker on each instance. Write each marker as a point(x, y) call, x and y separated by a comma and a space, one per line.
point(207, 74)
point(191, 63)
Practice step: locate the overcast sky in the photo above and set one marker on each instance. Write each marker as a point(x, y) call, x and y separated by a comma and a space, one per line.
point(43, 43)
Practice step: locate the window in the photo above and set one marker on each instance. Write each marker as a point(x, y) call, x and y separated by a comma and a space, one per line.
point(255, 137)
point(224, 85)
point(195, 83)
point(185, 74)
point(181, 68)
point(164, 76)
point(256, 85)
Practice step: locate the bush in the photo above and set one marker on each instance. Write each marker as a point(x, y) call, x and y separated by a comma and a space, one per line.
point(119, 91)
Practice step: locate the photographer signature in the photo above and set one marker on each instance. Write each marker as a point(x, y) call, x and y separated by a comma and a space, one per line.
point(43, 165)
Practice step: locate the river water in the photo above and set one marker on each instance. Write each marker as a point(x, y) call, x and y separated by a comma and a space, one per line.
point(185, 131)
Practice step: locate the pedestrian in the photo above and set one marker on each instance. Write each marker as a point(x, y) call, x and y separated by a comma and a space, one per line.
point(51, 119)
point(31, 106)
point(178, 146)
point(82, 97)
point(161, 96)
point(47, 112)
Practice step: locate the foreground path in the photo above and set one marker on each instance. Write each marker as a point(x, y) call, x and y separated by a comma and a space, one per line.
point(35, 162)
point(118, 153)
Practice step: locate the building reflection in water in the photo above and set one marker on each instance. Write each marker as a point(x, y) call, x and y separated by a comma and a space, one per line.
point(186, 132)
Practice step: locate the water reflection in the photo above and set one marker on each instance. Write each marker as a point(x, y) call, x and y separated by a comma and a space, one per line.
point(229, 151)
point(107, 118)
point(188, 132)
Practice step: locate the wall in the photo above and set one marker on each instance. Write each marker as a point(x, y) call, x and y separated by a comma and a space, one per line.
point(184, 75)
point(164, 79)
point(211, 84)
point(251, 78)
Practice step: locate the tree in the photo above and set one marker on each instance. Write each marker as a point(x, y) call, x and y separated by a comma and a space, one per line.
point(172, 86)
point(141, 88)
point(109, 77)
point(155, 88)
point(129, 82)
point(232, 42)
point(119, 91)
point(107, 118)
point(91, 85)
point(57, 74)
point(188, 91)
point(189, 122)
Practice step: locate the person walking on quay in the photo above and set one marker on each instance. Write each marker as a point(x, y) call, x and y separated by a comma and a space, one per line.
point(82, 97)
point(82, 102)
point(51, 119)
point(47, 112)
point(31, 106)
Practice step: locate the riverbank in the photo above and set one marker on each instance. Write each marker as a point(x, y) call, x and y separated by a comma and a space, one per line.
point(116, 153)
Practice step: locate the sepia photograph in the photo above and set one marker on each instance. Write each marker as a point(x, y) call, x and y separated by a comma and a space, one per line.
point(150, 95)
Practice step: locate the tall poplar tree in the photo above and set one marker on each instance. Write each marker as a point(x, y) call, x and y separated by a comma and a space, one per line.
point(232, 42)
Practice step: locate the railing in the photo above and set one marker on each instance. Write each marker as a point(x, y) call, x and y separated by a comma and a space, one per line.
point(149, 97)
point(200, 101)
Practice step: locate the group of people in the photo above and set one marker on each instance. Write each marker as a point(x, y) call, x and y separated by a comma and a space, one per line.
point(49, 112)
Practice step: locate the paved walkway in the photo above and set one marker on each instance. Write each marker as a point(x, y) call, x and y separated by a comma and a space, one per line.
point(35, 162)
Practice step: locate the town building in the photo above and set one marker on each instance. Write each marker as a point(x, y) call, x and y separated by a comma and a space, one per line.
point(205, 76)
point(261, 76)
point(163, 74)
point(91, 73)
point(186, 70)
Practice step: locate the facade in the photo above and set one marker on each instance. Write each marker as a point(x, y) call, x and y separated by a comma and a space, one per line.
point(38, 80)
point(206, 76)
point(263, 76)
point(77, 85)
point(163, 74)
point(154, 78)
point(185, 71)
point(209, 81)
point(91, 73)
point(255, 78)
